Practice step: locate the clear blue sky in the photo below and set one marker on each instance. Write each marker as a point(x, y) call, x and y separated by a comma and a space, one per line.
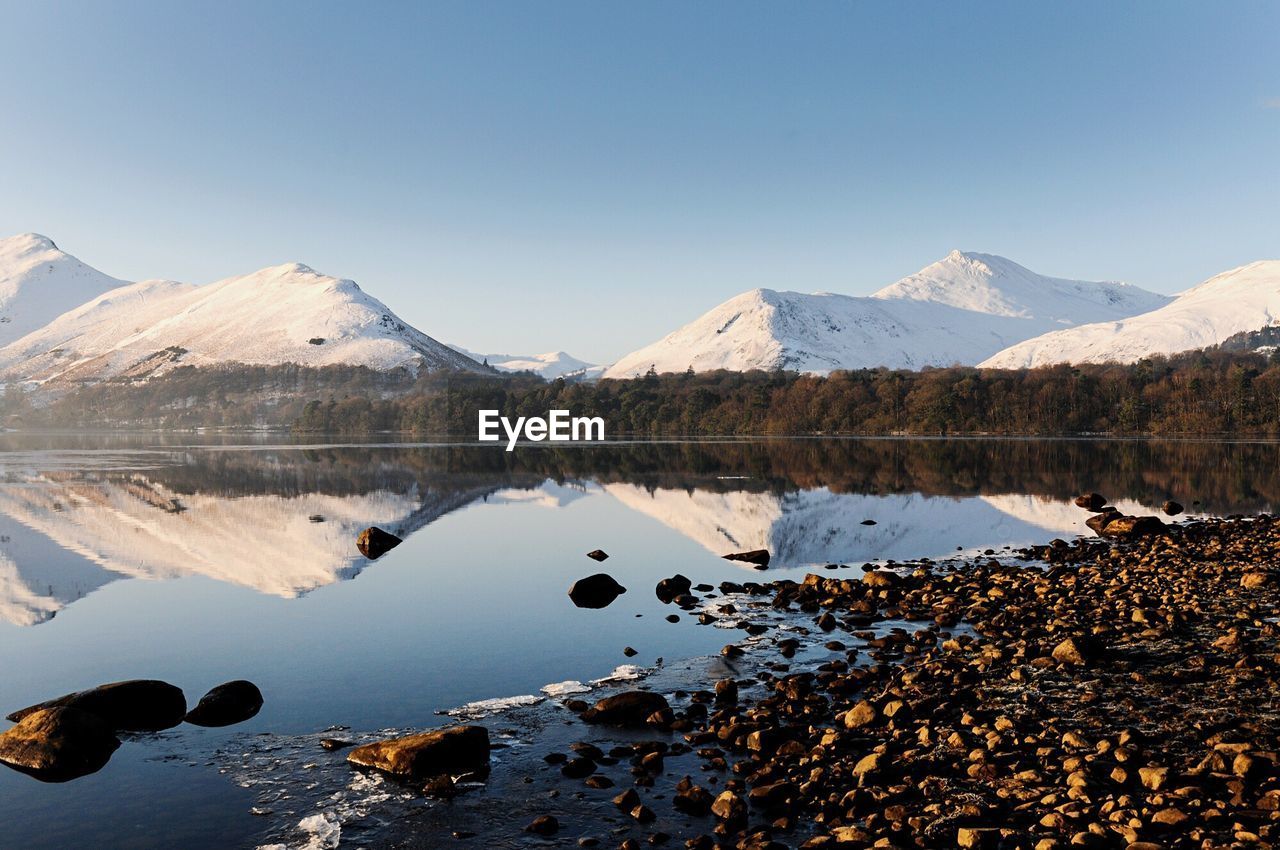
point(527, 176)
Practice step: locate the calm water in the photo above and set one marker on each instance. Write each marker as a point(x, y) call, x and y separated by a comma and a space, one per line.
point(151, 557)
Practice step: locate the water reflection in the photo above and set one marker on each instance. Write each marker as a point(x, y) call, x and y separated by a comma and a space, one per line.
point(283, 520)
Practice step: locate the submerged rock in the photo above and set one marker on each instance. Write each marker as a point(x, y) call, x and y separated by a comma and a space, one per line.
point(456, 749)
point(373, 542)
point(229, 703)
point(595, 591)
point(58, 744)
point(629, 708)
point(137, 705)
point(759, 557)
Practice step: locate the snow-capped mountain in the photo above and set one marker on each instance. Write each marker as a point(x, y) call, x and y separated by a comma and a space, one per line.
point(282, 314)
point(552, 365)
point(1242, 299)
point(38, 282)
point(959, 310)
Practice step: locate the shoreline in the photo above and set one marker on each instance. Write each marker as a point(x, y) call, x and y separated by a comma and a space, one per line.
point(1117, 695)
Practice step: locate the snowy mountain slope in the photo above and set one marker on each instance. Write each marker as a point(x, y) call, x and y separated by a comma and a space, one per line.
point(959, 310)
point(38, 282)
point(1242, 299)
point(282, 314)
point(552, 365)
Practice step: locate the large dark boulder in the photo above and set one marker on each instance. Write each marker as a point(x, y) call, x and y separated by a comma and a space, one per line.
point(1172, 508)
point(58, 744)
point(373, 542)
point(457, 749)
point(669, 588)
point(138, 705)
point(598, 555)
point(595, 591)
point(759, 557)
point(629, 708)
point(229, 703)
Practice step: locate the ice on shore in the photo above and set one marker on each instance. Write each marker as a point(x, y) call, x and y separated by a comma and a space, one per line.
point(485, 707)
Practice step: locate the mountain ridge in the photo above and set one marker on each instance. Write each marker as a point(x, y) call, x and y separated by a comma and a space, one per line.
point(1239, 300)
point(956, 311)
point(287, 313)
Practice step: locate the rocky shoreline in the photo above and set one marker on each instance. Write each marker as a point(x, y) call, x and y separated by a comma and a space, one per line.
point(1115, 693)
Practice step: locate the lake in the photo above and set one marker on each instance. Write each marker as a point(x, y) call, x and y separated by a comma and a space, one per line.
point(202, 560)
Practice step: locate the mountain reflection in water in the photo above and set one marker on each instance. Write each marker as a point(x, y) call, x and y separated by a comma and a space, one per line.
point(282, 520)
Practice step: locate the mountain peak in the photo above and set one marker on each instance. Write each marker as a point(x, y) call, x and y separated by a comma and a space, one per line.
point(26, 243)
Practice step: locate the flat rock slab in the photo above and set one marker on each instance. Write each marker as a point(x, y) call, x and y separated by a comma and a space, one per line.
point(456, 749)
point(137, 705)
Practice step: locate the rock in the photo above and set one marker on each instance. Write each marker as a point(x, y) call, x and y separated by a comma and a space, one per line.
point(692, 799)
point(868, 522)
point(138, 705)
point(373, 542)
point(58, 744)
point(629, 708)
point(598, 555)
point(1128, 527)
point(862, 714)
point(1172, 508)
point(595, 591)
point(726, 692)
point(335, 744)
point(759, 557)
point(977, 837)
point(669, 588)
point(729, 807)
point(1099, 521)
point(578, 768)
point(1169, 816)
point(544, 825)
point(1074, 651)
point(881, 578)
point(441, 787)
point(1153, 778)
point(456, 749)
point(227, 704)
point(627, 800)
point(867, 765)
point(630, 651)
point(643, 814)
point(1254, 579)
point(1091, 501)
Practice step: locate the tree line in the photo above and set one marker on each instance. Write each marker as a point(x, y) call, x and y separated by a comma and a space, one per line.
point(1211, 392)
point(1200, 393)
